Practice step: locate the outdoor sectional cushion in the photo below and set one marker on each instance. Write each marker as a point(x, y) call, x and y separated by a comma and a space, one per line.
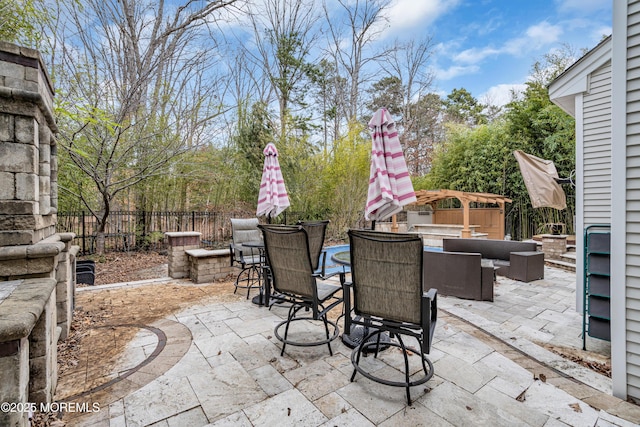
point(458, 274)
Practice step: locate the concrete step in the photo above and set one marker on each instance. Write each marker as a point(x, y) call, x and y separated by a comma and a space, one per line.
point(569, 257)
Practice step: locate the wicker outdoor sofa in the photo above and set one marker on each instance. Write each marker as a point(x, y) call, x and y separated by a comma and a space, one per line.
point(466, 267)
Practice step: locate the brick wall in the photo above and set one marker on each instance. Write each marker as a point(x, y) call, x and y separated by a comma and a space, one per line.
point(179, 243)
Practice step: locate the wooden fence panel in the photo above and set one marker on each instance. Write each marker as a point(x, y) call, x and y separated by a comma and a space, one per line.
point(487, 220)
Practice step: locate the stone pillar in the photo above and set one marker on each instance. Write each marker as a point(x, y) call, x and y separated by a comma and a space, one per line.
point(14, 383)
point(65, 288)
point(28, 369)
point(28, 170)
point(34, 260)
point(554, 245)
point(179, 242)
point(43, 370)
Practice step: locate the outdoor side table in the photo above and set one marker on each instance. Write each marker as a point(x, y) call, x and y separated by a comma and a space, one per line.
point(526, 266)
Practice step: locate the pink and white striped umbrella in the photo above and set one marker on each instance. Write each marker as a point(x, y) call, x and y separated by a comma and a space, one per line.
point(273, 197)
point(390, 187)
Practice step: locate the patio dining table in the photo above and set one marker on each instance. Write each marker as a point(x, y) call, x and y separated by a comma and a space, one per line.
point(342, 257)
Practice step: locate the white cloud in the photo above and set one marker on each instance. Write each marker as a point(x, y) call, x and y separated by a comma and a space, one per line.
point(500, 95)
point(407, 14)
point(475, 55)
point(535, 37)
point(544, 33)
point(455, 71)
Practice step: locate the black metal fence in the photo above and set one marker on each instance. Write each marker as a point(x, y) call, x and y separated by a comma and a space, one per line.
point(142, 230)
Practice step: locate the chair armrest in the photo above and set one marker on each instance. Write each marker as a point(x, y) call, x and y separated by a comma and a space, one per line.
point(346, 301)
point(323, 262)
point(429, 309)
point(231, 254)
point(238, 251)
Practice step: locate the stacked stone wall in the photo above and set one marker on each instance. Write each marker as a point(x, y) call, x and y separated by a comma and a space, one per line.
point(554, 246)
point(209, 265)
point(36, 280)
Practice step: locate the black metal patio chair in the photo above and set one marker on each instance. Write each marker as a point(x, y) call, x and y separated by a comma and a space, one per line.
point(316, 230)
point(248, 260)
point(291, 274)
point(388, 296)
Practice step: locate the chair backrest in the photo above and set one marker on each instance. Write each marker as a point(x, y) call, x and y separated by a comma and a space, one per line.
point(245, 230)
point(386, 271)
point(288, 257)
point(316, 231)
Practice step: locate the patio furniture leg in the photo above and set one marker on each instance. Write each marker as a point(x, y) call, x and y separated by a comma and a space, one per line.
point(326, 328)
point(406, 368)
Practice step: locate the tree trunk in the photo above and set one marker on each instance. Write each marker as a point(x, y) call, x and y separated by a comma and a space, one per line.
point(100, 242)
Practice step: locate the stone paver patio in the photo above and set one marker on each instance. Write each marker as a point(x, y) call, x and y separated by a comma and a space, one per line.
point(219, 364)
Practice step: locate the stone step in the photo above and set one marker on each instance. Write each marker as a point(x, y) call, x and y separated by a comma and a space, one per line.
point(569, 266)
point(569, 257)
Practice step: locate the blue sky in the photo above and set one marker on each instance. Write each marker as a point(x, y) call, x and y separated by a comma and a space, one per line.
point(488, 46)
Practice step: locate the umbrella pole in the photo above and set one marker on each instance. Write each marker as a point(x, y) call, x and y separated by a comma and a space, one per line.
point(373, 224)
point(394, 224)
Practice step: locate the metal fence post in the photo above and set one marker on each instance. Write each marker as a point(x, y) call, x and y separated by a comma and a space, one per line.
point(84, 245)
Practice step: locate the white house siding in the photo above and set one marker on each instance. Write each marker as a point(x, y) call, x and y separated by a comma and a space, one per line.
point(626, 159)
point(584, 92)
point(597, 148)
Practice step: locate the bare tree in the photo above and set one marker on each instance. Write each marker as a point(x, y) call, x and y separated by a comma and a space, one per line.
point(284, 36)
point(408, 62)
point(329, 92)
point(136, 89)
point(426, 132)
point(362, 21)
point(247, 84)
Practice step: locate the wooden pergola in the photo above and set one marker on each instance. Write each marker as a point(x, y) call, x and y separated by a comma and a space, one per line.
point(430, 197)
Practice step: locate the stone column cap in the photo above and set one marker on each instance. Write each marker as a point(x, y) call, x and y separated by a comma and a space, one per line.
point(67, 237)
point(20, 311)
point(39, 250)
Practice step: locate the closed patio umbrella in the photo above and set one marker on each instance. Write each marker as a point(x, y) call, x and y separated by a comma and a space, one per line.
point(273, 197)
point(540, 177)
point(390, 187)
